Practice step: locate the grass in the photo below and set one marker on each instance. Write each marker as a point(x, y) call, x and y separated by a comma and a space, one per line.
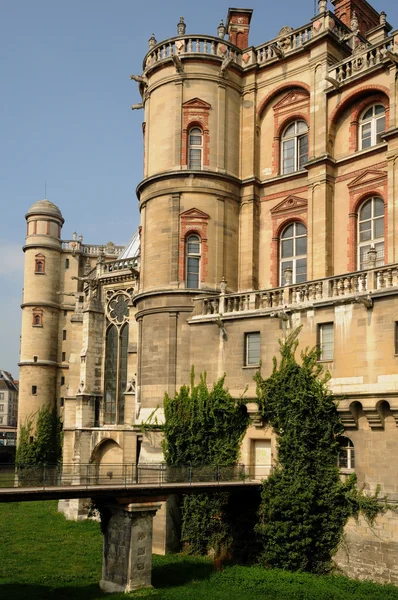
point(43, 556)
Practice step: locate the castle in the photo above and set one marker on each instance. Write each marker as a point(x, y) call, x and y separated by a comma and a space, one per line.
point(268, 201)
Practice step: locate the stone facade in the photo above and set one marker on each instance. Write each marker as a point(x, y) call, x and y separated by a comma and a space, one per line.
point(268, 202)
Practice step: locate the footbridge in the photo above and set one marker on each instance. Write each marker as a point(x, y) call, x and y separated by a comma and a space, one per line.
point(130, 496)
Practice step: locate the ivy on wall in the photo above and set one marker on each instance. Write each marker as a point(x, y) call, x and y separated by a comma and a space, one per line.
point(44, 446)
point(204, 428)
point(305, 504)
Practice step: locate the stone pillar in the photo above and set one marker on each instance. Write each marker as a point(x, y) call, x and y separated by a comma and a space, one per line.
point(127, 555)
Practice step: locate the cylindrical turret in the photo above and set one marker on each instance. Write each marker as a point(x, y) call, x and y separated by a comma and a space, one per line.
point(40, 309)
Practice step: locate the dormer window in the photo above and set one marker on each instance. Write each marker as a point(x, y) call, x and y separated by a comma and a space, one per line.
point(372, 126)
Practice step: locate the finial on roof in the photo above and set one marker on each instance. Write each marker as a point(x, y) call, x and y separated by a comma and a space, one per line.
point(221, 30)
point(322, 6)
point(354, 22)
point(152, 41)
point(383, 17)
point(181, 27)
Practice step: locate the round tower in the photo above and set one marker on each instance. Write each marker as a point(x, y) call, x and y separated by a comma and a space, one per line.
point(191, 196)
point(40, 309)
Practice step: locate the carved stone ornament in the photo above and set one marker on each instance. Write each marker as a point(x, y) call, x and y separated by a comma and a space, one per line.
point(284, 43)
point(246, 58)
point(285, 31)
point(222, 49)
point(117, 309)
point(180, 46)
point(360, 48)
point(317, 26)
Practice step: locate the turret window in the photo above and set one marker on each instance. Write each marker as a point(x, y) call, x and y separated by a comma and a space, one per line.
point(195, 148)
point(37, 318)
point(372, 126)
point(193, 253)
point(294, 147)
point(40, 264)
point(346, 457)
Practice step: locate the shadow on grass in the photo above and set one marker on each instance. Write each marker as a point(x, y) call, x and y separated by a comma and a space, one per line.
point(18, 591)
point(181, 572)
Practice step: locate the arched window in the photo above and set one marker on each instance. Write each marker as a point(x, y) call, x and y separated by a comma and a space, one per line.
point(192, 261)
point(37, 319)
point(371, 231)
point(372, 126)
point(294, 147)
point(346, 457)
point(195, 148)
point(115, 373)
point(293, 254)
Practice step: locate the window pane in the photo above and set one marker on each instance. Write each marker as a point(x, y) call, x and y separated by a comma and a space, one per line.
point(124, 342)
point(302, 127)
point(380, 254)
point(290, 130)
point(379, 227)
point(193, 246)
point(363, 258)
point(368, 114)
point(195, 140)
point(301, 270)
point(287, 248)
point(301, 229)
point(288, 232)
point(378, 207)
point(301, 246)
point(110, 375)
point(195, 158)
point(192, 272)
point(366, 211)
point(252, 348)
point(379, 109)
point(303, 150)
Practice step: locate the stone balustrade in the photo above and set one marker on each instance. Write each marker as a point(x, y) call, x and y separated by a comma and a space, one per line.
point(119, 265)
point(191, 45)
point(285, 43)
point(364, 58)
point(92, 250)
point(349, 287)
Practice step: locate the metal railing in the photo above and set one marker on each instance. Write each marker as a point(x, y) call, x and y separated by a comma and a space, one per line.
point(47, 476)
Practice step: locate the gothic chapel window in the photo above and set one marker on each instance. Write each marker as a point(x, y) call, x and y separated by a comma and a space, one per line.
point(372, 126)
point(293, 253)
point(294, 147)
point(371, 231)
point(116, 354)
point(195, 148)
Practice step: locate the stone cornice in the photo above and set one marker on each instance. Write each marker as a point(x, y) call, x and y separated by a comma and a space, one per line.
point(183, 174)
point(42, 303)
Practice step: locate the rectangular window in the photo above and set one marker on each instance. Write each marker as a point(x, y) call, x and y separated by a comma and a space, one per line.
point(62, 401)
point(66, 263)
point(63, 356)
point(1, 407)
point(326, 341)
point(1, 420)
point(252, 349)
point(2, 396)
point(34, 390)
point(64, 334)
point(62, 380)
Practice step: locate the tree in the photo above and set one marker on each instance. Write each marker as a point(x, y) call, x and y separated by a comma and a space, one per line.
point(45, 445)
point(305, 505)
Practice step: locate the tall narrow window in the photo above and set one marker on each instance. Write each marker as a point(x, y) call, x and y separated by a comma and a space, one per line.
point(193, 261)
point(293, 254)
point(116, 354)
point(195, 148)
point(66, 263)
point(371, 232)
point(40, 264)
point(326, 341)
point(294, 147)
point(252, 349)
point(346, 457)
point(372, 126)
point(111, 369)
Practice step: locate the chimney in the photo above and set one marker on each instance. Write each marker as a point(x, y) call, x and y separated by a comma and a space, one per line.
point(238, 26)
point(368, 17)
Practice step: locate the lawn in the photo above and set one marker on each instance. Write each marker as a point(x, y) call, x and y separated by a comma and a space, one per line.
point(43, 556)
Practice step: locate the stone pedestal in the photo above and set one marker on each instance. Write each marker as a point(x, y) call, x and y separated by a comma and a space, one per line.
point(127, 556)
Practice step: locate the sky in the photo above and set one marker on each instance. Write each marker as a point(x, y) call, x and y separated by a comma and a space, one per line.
point(65, 117)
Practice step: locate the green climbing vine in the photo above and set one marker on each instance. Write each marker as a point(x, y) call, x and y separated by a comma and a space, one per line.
point(204, 427)
point(305, 505)
point(44, 445)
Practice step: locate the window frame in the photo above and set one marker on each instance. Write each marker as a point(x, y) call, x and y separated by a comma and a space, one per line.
point(321, 327)
point(295, 257)
point(297, 137)
point(246, 358)
point(373, 241)
point(193, 256)
point(40, 264)
point(199, 147)
point(349, 451)
point(372, 121)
